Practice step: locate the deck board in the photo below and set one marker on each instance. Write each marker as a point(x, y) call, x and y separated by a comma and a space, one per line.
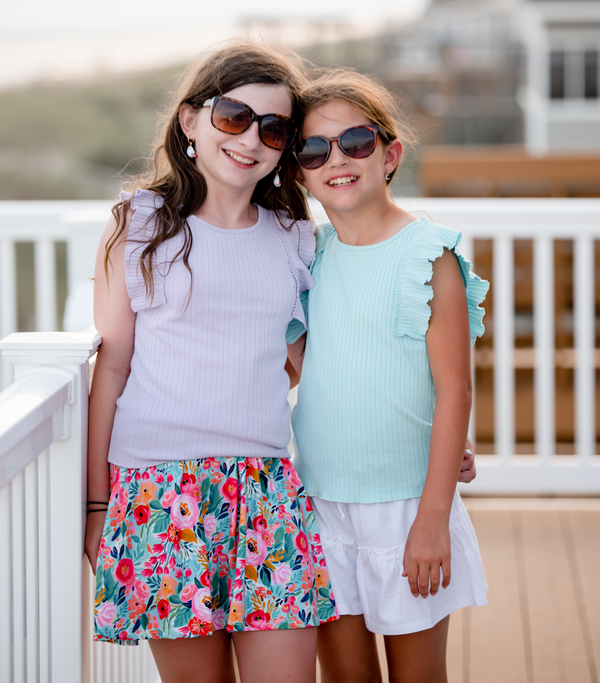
point(585, 529)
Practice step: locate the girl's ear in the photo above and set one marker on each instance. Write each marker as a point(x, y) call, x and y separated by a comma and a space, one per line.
point(187, 120)
point(393, 154)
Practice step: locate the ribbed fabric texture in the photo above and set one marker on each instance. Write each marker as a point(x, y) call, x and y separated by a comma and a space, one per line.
point(208, 379)
point(362, 424)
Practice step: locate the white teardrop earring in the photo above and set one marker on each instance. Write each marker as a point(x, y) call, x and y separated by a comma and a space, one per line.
point(277, 179)
point(191, 152)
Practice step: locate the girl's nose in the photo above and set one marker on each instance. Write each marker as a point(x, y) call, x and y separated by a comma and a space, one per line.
point(337, 157)
point(250, 136)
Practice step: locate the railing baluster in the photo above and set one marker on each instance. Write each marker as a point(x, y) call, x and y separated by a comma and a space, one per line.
point(585, 403)
point(32, 619)
point(544, 374)
point(6, 591)
point(45, 285)
point(19, 564)
point(504, 341)
point(44, 567)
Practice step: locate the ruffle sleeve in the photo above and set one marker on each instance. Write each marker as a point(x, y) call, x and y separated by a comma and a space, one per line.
point(141, 230)
point(298, 239)
point(411, 309)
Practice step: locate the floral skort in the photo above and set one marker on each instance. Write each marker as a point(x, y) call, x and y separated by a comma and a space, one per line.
point(192, 547)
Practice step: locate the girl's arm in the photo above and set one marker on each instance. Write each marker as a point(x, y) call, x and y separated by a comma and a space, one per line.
point(295, 359)
point(114, 320)
point(449, 349)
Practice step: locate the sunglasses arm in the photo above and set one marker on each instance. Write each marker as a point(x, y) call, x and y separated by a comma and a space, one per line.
point(209, 103)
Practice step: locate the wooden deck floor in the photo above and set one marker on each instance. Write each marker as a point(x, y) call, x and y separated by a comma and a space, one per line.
point(542, 623)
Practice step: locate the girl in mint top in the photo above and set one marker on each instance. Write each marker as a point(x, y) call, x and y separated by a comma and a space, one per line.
point(385, 395)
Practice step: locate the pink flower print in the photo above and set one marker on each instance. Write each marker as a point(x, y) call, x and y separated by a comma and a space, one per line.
point(218, 619)
point(169, 478)
point(259, 524)
point(135, 607)
point(202, 605)
point(230, 489)
point(188, 573)
point(210, 525)
point(236, 612)
point(188, 592)
point(184, 511)
point(178, 573)
point(205, 579)
point(141, 590)
point(292, 475)
point(256, 549)
point(106, 614)
point(188, 483)
point(125, 572)
point(301, 543)
point(321, 577)
point(308, 504)
point(159, 478)
point(258, 620)
point(168, 498)
point(282, 574)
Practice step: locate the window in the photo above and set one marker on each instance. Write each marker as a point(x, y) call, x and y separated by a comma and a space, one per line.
point(591, 74)
point(574, 74)
point(557, 75)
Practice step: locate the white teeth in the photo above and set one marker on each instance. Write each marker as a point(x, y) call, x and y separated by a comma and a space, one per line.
point(342, 181)
point(242, 160)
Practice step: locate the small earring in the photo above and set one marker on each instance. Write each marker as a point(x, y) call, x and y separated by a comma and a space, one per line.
point(388, 176)
point(277, 179)
point(191, 152)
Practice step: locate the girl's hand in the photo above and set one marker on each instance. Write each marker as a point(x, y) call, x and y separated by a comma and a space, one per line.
point(427, 551)
point(93, 536)
point(468, 470)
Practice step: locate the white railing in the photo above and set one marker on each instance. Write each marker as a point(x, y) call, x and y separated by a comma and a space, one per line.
point(45, 582)
point(500, 220)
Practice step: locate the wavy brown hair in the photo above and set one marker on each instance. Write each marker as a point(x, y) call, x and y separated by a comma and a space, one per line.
point(365, 94)
point(171, 174)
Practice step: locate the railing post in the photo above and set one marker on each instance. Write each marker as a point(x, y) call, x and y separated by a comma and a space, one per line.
point(63, 519)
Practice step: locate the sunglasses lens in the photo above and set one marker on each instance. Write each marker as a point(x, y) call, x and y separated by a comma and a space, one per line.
point(358, 143)
point(277, 132)
point(231, 117)
point(312, 152)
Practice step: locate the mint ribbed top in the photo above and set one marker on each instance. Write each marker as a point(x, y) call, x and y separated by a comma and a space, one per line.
point(362, 424)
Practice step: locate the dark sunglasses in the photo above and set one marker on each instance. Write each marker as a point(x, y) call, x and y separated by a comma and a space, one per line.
point(357, 142)
point(234, 118)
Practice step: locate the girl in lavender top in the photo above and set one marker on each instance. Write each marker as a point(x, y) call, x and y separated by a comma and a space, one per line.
point(197, 521)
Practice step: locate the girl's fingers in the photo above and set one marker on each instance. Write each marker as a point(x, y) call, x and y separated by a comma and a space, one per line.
point(424, 581)
point(413, 579)
point(446, 572)
point(435, 579)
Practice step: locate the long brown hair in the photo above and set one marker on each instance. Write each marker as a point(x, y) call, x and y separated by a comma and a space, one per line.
point(365, 94)
point(171, 174)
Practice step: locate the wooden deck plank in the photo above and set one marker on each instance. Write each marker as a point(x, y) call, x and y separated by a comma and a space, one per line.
point(558, 649)
point(497, 652)
point(585, 530)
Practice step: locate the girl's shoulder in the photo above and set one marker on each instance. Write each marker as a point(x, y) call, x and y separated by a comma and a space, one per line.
point(413, 292)
point(299, 235)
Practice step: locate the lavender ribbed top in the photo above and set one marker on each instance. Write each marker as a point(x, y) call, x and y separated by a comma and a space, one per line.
point(208, 379)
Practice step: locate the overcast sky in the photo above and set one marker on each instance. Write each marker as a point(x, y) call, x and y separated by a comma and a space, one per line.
point(71, 38)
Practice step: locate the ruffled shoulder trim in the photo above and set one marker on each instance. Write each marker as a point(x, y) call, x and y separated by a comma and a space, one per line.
point(324, 234)
point(411, 310)
point(144, 204)
point(298, 240)
point(300, 236)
